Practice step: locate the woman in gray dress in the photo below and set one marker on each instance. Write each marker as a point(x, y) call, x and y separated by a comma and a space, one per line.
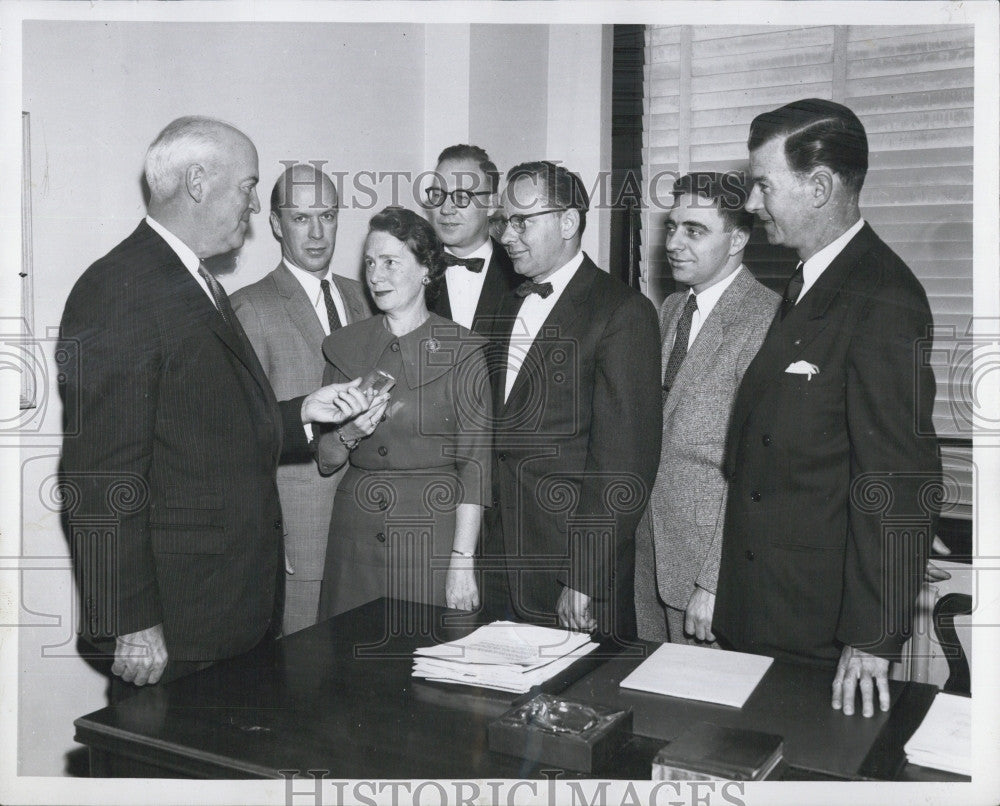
point(407, 513)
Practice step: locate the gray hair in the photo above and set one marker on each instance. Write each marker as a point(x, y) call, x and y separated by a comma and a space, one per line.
point(186, 140)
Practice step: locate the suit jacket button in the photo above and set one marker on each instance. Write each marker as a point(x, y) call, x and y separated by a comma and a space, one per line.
point(395, 347)
point(755, 496)
point(766, 439)
point(380, 537)
point(277, 524)
point(750, 555)
point(383, 451)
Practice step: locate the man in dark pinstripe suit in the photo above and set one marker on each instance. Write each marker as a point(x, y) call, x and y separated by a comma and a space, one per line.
point(174, 408)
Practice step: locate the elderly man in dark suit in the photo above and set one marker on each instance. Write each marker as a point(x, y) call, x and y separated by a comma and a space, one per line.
point(461, 196)
point(286, 316)
point(178, 423)
point(711, 331)
point(831, 454)
point(575, 366)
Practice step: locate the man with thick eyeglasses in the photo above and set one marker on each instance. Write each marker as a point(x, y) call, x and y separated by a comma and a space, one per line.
point(459, 199)
point(575, 367)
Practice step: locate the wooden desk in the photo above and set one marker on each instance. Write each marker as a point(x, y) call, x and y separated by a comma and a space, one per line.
point(339, 698)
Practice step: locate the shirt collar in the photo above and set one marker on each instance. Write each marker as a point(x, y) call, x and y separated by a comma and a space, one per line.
point(819, 262)
point(183, 251)
point(708, 298)
point(309, 281)
point(560, 277)
point(485, 252)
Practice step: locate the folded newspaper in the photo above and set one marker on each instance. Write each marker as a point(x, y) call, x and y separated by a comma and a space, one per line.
point(503, 655)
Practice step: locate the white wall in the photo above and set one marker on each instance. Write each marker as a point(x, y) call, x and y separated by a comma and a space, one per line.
point(365, 97)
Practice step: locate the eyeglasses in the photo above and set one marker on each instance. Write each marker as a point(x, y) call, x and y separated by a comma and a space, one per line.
point(498, 224)
point(459, 197)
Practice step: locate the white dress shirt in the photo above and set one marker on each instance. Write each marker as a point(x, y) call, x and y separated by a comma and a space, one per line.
point(707, 300)
point(185, 253)
point(818, 263)
point(464, 286)
point(532, 315)
point(310, 283)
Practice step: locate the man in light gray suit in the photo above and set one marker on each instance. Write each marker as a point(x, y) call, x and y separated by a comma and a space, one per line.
point(286, 315)
point(710, 334)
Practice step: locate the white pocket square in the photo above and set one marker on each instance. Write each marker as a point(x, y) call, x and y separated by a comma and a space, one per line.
point(803, 368)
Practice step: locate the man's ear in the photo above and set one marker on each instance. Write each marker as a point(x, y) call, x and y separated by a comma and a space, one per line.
point(195, 178)
point(738, 240)
point(569, 223)
point(821, 188)
point(275, 220)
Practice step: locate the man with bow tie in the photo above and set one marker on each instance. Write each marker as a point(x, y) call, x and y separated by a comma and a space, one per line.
point(575, 371)
point(832, 460)
point(460, 198)
point(286, 315)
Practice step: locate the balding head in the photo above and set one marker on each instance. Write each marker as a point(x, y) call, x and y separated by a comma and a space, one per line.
point(304, 217)
point(202, 176)
point(185, 141)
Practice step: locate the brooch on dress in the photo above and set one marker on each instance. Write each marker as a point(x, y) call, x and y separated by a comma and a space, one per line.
point(433, 345)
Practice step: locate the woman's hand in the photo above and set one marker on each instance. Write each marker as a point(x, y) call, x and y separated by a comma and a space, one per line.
point(460, 589)
point(364, 424)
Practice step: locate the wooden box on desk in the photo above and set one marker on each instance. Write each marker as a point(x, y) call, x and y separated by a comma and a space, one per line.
point(584, 751)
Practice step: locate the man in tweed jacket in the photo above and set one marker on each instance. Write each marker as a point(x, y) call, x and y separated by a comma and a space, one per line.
point(710, 334)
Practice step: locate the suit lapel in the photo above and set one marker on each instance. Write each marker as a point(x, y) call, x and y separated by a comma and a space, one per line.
point(559, 322)
point(711, 335)
point(354, 300)
point(787, 340)
point(496, 283)
point(299, 308)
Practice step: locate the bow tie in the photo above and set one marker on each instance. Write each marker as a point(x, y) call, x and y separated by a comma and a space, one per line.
point(474, 264)
point(528, 287)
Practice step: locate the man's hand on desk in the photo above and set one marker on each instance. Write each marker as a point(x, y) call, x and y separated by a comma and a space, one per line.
point(573, 609)
point(859, 669)
point(698, 615)
point(335, 403)
point(140, 657)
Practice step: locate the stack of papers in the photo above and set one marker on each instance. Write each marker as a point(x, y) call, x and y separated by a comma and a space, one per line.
point(503, 655)
point(699, 673)
point(944, 739)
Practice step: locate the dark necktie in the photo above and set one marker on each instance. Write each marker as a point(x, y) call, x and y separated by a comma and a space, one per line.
point(474, 264)
point(680, 342)
point(792, 291)
point(529, 287)
point(331, 309)
point(219, 295)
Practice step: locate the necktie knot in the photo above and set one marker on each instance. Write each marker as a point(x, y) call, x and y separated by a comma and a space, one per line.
point(473, 264)
point(530, 287)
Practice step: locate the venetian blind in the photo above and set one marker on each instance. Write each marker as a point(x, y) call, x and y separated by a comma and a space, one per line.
point(912, 88)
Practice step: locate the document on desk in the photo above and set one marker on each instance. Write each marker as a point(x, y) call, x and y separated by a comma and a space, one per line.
point(503, 655)
point(944, 739)
point(699, 673)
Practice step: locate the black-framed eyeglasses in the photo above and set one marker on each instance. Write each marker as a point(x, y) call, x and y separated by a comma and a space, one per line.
point(498, 224)
point(459, 197)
